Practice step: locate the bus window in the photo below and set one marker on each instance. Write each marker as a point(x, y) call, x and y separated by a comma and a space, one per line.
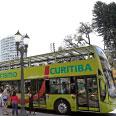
point(65, 85)
point(12, 85)
point(64, 88)
point(53, 86)
point(60, 85)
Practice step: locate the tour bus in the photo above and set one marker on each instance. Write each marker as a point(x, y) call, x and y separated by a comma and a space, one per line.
point(76, 79)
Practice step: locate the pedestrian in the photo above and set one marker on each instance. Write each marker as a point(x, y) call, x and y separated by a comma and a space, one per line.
point(14, 102)
point(5, 96)
point(1, 98)
point(30, 94)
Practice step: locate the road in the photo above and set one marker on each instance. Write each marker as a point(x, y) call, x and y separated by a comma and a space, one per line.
point(52, 113)
point(40, 113)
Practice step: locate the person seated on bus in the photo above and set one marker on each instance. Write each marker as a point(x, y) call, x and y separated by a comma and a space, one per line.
point(64, 88)
point(54, 87)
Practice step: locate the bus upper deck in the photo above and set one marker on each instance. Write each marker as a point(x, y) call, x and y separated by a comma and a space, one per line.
point(49, 58)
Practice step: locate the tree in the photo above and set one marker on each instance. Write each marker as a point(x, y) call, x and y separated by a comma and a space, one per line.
point(70, 41)
point(77, 40)
point(86, 29)
point(104, 22)
point(74, 41)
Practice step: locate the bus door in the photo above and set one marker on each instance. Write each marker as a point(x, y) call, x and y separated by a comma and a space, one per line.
point(87, 94)
point(39, 99)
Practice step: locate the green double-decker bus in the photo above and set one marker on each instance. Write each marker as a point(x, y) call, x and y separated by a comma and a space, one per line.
point(77, 79)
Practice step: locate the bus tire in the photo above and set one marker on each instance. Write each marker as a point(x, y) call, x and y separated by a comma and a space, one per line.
point(62, 107)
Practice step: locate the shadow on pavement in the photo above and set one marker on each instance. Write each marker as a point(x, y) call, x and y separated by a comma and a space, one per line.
point(76, 113)
point(91, 114)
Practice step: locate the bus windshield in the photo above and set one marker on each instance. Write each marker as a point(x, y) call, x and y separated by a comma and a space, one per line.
point(107, 72)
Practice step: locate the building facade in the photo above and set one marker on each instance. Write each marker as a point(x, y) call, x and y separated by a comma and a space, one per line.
point(7, 49)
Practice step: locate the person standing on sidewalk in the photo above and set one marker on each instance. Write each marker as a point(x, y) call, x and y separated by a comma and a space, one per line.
point(1, 98)
point(5, 96)
point(30, 94)
point(14, 102)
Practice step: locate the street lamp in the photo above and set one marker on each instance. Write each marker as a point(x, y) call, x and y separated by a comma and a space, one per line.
point(21, 47)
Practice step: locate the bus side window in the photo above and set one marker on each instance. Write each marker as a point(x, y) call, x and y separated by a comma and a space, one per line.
point(47, 86)
point(54, 87)
point(64, 88)
point(65, 85)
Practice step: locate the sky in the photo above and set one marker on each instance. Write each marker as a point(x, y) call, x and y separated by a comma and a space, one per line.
point(45, 21)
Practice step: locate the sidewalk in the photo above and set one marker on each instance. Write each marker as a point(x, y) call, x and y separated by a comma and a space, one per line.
point(10, 112)
point(2, 113)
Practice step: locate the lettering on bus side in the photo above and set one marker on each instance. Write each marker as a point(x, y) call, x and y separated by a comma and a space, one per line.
point(8, 75)
point(69, 69)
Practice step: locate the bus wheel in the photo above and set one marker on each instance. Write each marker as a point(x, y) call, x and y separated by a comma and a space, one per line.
point(62, 107)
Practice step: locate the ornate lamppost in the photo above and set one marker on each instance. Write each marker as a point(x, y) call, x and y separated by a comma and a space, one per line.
point(21, 47)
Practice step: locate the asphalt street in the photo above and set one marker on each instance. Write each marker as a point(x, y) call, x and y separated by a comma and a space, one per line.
point(41, 113)
point(52, 113)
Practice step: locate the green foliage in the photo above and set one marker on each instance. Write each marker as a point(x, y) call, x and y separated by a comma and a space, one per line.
point(104, 22)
